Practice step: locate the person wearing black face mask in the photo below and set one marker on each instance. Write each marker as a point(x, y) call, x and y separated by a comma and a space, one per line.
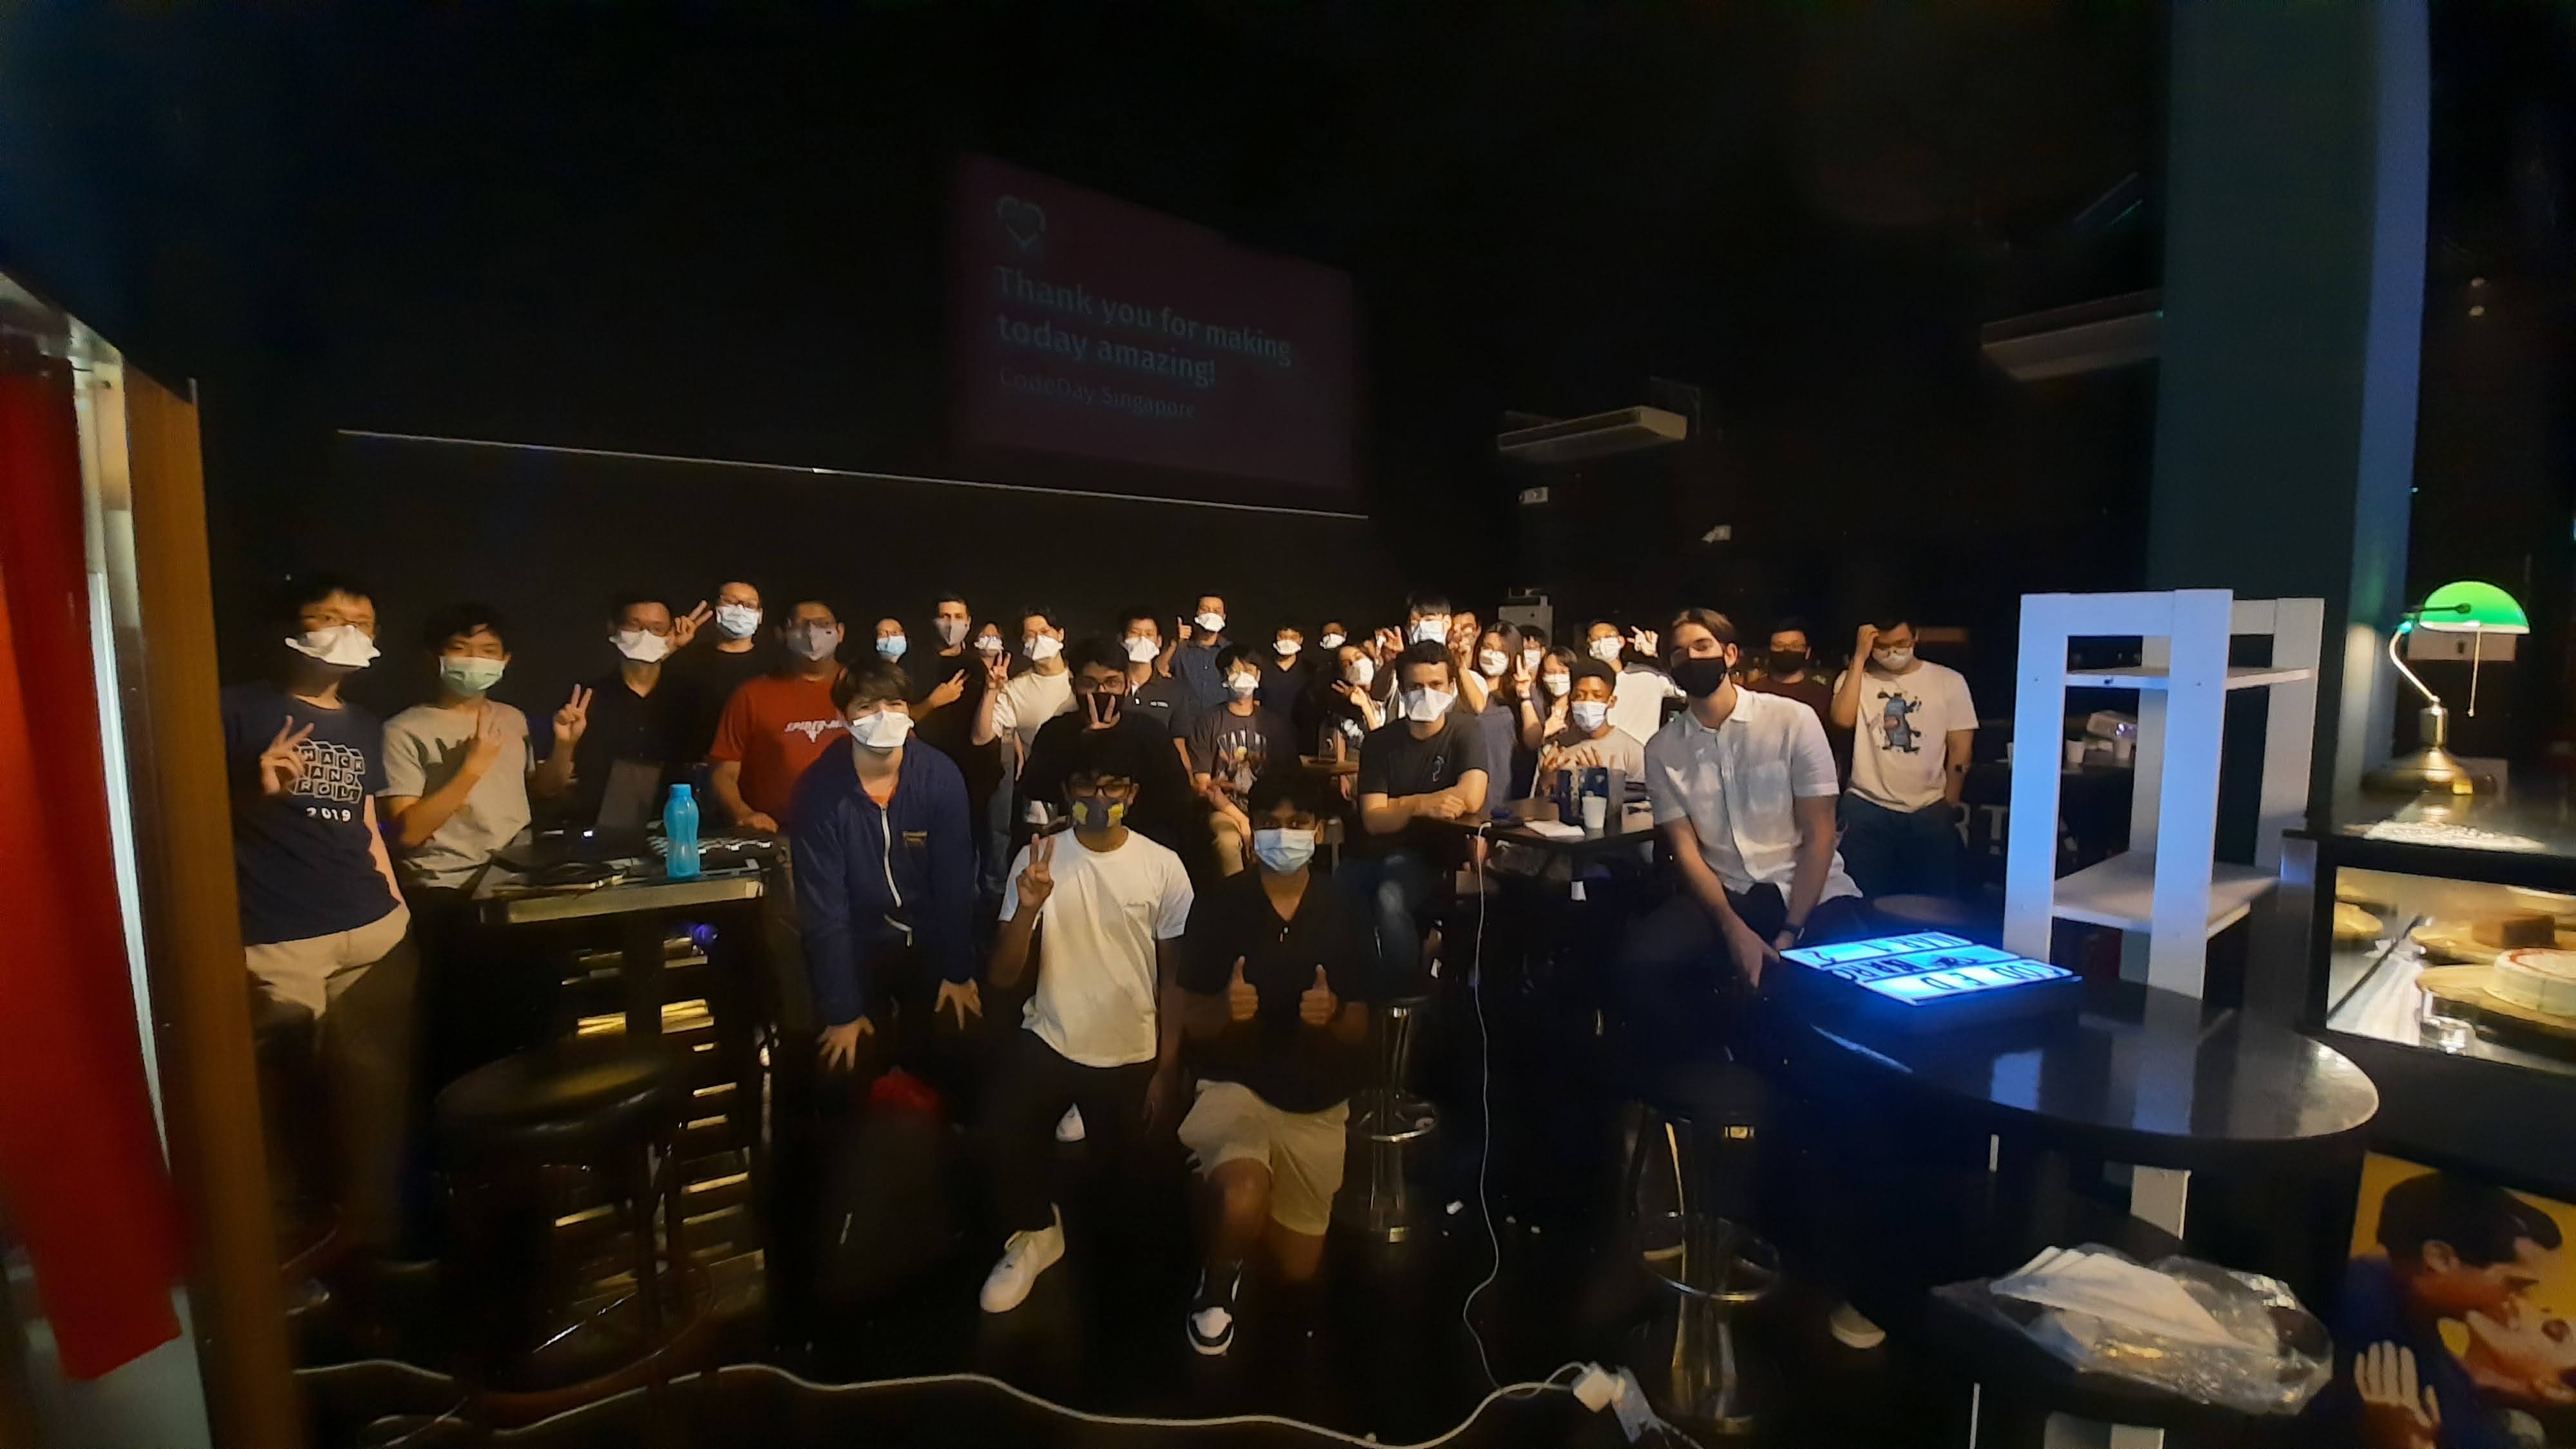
point(1163, 809)
point(1788, 670)
point(1743, 791)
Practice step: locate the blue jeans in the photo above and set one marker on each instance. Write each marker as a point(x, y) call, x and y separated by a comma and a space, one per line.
point(1388, 892)
point(1901, 853)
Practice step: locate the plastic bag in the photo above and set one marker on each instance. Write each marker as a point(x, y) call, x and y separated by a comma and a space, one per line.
point(2274, 1357)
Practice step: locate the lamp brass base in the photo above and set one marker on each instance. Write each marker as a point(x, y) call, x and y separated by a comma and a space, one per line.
point(2431, 770)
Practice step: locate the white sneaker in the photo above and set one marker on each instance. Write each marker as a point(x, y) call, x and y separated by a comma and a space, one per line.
point(1068, 1128)
point(1852, 1329)
point(1025, 1255)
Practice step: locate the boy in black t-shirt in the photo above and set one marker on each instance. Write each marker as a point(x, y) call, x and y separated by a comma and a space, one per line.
point(1427, 765)
point(323, 924)
point(1269, 969)
point(1231, 746)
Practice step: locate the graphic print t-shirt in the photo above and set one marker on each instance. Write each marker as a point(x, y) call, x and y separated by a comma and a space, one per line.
point(1901, 739)
point(302, 860)
point(774, 727)
point(1236, 748)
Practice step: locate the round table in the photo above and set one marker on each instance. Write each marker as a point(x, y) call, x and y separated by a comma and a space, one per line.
point(2135, 1075)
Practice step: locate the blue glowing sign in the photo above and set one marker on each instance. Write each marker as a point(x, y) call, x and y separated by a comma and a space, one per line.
point(1924, 967)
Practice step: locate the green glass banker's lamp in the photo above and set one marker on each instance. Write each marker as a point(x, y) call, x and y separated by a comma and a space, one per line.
point(2467, 607)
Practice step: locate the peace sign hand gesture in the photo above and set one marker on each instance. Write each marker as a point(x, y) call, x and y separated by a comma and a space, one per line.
point(489, 739)
point(685, 627)
point(573, 718)
point(1316, 1005)
point(997, 668)
point(1037, 881)
point(281, 765)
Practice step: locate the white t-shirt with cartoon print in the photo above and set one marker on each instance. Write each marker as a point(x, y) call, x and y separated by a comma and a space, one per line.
point(1900, 741)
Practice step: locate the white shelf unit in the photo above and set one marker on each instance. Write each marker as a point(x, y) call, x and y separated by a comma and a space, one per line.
point(2169, 886)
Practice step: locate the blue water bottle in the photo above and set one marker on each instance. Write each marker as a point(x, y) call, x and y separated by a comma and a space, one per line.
point(680, 834)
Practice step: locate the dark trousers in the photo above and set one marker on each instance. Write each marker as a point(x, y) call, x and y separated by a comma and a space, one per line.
point(1673, 981)
point(1901, 853)
point(1032, 1085)
point(1389, 892)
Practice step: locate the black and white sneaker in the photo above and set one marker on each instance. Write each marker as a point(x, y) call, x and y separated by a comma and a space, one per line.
point(1211, 1320)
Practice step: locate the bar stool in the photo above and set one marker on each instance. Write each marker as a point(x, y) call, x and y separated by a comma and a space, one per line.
point(515, 1136)
point(1390, 1127)
point(1688, 1189)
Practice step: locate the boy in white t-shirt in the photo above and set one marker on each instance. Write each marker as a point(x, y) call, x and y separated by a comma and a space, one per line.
point(1100, 910)
point(1912, 726)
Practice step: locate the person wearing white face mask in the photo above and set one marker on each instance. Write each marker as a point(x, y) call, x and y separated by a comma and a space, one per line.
point(884, 859)
point(1273, 969)
point(323, 924)
point(647, 713)
point(1588, 739)
point(1913, 728)
point(1015, 705)
point(1642, 688)
point(1287, 678)
point(1333, 637)
point(1543, 704)
point(1350, 708)
point(775, 727)
point(1431, 767)
point(1193, 663)
point(739, 653)
point(1230, 747)
point(459, 771)
point(1150, 691)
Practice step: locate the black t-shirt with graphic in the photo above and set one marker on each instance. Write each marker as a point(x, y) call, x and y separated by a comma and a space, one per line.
point(1394, 764)
point(302, 861)
point(1238, 747)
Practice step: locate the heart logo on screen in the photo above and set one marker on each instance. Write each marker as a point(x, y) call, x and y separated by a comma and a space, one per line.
point(1024, 220)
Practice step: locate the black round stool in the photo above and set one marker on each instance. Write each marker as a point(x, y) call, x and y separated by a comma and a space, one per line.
point(531, 1144)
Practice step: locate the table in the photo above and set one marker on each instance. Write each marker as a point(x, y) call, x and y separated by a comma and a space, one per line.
point(1616, 837)
point(640, 904)
point(2136, 1075)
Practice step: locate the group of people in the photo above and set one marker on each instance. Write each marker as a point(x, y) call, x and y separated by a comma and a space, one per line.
point(1126, 832)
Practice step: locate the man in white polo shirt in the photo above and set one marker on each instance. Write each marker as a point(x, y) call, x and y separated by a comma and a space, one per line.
point(1743, 790)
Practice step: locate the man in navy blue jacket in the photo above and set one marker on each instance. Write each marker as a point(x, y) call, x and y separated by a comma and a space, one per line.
point(884, 858)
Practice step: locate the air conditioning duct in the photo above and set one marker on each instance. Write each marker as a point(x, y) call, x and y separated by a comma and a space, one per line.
point(1598, 436)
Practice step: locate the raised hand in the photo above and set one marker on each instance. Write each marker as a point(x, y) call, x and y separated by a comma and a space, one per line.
point(997, 668)
point(1390, 643)
point(1242, 998)
point(1645, 640)
point(281, 765)
point(573, 718)
point(1863, 642)
point(1316, 1005)
point(1524, 680)
point(491, 737)
point(947, 692)
point(1037, 881)
point(1181, 627)
point(685, 627)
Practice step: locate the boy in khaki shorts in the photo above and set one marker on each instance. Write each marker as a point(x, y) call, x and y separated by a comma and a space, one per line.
point(1269, 967)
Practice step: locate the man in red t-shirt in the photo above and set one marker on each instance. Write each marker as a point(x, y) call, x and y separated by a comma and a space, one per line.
point(777, 724)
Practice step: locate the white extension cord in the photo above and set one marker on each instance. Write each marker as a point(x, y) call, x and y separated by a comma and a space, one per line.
point(1485, 1112)
point(1584, 1372)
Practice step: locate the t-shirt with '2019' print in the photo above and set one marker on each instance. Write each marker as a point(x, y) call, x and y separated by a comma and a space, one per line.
point(303, 861)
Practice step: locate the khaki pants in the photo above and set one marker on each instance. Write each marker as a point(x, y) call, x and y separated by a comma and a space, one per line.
point(360, 986)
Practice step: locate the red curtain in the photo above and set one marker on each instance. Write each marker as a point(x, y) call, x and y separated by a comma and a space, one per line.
point(81, 1172)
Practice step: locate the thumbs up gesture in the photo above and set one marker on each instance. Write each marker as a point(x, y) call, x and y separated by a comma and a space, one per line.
point(1242, 999)
point(1316, 1005)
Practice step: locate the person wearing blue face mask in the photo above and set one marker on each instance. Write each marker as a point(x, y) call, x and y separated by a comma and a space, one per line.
point(1098, 911)
point(1271, 974)
point(891, 645)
